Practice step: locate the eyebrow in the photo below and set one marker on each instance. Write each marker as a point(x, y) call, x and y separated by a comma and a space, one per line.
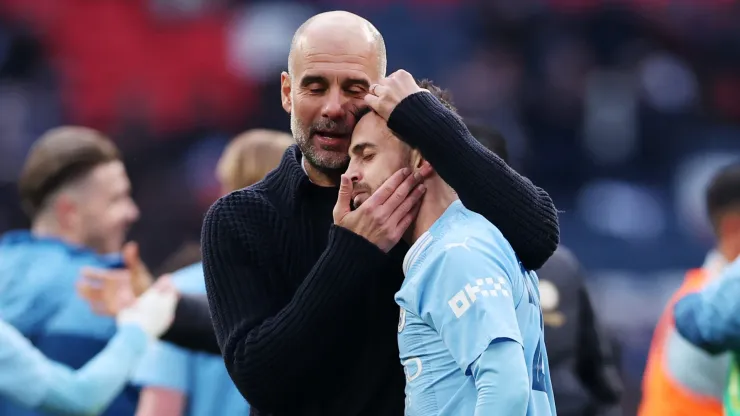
point(360, 147)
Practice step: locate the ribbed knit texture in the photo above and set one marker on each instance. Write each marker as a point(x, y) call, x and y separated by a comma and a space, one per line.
point(524, 213)
point(304, 311)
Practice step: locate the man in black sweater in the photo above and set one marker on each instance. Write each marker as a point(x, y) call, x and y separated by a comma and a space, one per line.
point(303, 309)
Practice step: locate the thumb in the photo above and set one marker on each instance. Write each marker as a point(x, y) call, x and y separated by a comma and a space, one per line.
point(131, 256)
point(342, 207)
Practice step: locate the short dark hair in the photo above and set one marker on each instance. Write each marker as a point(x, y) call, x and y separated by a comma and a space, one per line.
point(723, 193)
point(491, 138)
point(444, 96)
point(59, 157)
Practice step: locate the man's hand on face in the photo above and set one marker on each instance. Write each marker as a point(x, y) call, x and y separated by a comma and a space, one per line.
point(384, 217)
point(384, 96)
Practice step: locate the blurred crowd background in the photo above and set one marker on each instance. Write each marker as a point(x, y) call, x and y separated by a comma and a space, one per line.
point(621, 110)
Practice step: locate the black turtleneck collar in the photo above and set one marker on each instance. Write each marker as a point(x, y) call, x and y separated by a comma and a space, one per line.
point(291, 182)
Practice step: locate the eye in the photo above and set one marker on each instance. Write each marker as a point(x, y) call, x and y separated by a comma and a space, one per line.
point(356, 90)
point(316, 88)
point(368, 157)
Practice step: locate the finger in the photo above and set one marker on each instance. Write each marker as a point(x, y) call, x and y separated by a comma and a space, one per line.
point(408, 204)
point(402, 192)
point(342, 206)
point(372, 102)
point(386, 190)
point(379, 90)
point(408, 219)
point(96, 279)
point(131, 257)
point(426, 170)
point(86, 291)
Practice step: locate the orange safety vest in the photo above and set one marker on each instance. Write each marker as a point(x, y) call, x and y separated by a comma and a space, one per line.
point(661, 395)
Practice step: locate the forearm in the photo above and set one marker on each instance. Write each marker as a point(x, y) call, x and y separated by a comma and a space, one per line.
point(90, 389)
point(712, 327)
point(192, 327)
point(501, 380)
point(272, 348)
point(524, 213)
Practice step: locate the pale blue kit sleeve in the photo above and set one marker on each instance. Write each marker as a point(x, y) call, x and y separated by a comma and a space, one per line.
point(166, 366)
point(466, 295)
point(501, 380)
point(710, 319)
point(28, 377)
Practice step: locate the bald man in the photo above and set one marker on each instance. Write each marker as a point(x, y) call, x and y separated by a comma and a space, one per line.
point(302, 300)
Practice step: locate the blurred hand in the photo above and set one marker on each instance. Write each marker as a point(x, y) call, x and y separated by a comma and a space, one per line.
point(108, 291)
point(384, 217)
point(154, 311)
point(384, 96)
point(141, 278)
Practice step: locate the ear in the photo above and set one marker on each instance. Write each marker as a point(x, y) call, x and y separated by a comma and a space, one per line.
point(285, 90)
point(66, 211)
point(420, 164)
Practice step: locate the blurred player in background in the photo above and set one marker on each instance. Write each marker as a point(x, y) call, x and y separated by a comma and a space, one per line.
point(680, 378)
point(30, 379)
point(470, 331)
point(176, 381)
point(75, 189)
point(583, 365)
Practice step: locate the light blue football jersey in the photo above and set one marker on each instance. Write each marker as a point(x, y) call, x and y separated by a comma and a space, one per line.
point(199, 376)
point(465, 288)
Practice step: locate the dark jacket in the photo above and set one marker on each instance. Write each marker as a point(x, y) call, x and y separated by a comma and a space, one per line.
point(583, 366)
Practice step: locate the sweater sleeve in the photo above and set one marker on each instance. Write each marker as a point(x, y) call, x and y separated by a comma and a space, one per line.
point(523, 212)
point(274, 343)
point(192, 327)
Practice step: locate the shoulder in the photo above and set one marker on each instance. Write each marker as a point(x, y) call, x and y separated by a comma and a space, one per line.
point(241, 214)
point(562, 267)
point(190, 279)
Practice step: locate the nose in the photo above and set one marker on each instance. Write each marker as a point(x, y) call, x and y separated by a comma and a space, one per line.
point(134, 212)
point(353, 173)
point(334, 106)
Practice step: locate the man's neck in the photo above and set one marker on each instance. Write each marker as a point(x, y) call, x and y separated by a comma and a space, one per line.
point(438, 197)
point(319, 177)
point(47, 229)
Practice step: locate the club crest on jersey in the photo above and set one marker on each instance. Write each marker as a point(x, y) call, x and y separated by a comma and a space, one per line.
point(401, 320)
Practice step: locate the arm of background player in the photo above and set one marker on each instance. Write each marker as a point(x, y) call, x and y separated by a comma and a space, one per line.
point(524, 213)
point(272, 346)
point(192, 327)
point(501, 380)
point(158, 401)
point(165, 377)
point(710, 319)
point(596, 365)
point(30, 378)
point(471, 321)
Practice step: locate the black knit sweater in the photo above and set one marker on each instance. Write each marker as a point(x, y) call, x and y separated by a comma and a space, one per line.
point(304, 311)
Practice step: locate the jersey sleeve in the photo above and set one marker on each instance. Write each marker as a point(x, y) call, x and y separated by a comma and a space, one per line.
point(467, 296)
point(710, 319)
point(22, 368)
point(166, 366)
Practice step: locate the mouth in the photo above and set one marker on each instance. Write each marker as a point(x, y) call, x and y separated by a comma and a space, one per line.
point(331, 139)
